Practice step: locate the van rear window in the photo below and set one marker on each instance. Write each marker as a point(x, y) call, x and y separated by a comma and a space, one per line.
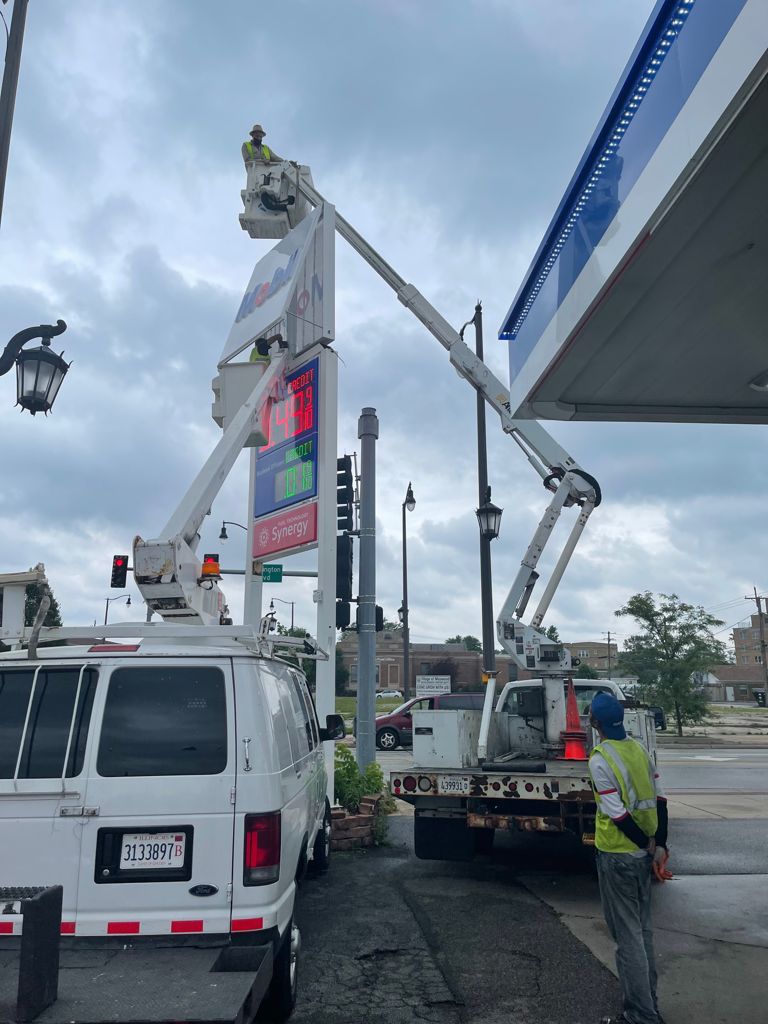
point(164, 721)
point(44, 718)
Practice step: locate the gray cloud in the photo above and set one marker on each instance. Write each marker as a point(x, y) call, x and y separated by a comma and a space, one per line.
point(446, 131)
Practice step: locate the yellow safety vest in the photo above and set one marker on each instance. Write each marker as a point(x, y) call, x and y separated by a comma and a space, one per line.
point(632, 767)
point(265, 151)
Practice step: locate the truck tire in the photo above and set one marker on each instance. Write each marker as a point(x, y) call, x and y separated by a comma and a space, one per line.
point(321, 851)
point(280, 1000)
point(387, 739)
point(442, 839)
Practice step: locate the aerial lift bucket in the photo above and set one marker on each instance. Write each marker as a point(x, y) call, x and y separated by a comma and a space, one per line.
point(573, 735)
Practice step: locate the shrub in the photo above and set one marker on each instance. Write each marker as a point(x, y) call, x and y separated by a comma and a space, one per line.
point(351, 785)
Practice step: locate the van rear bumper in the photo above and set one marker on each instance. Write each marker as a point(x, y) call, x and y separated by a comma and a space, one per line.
point(153, 979)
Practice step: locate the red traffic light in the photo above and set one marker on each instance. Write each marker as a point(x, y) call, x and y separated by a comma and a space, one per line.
point(119, 572)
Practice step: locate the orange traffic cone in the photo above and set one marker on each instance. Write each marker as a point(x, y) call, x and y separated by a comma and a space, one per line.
point(573, 735)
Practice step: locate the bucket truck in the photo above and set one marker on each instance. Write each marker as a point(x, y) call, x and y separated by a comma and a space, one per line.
point(511, 766)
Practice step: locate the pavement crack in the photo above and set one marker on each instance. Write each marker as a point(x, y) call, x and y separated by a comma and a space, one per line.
point(375, 953)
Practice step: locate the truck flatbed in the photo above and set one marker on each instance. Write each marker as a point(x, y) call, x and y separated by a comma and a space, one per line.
point(110, 984)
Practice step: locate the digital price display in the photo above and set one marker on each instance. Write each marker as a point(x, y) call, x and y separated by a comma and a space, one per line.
point(286, 467)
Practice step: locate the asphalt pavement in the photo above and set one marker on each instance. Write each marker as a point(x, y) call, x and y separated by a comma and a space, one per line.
point(388, 939)
point(518, 937)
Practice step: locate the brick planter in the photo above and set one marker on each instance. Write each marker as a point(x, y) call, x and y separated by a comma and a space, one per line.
point(354, 831)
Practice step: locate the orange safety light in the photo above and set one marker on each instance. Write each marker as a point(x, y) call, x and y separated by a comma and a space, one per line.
point(211, 566)
point(573, 735)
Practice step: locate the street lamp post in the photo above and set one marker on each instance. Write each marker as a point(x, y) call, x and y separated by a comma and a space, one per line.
point(227, 522)
point(408, 505)
point(488, 515)
point(39, 371)
point(291, 603)
point(120, 597)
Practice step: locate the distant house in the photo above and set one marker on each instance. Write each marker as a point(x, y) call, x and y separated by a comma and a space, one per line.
point(734, 683)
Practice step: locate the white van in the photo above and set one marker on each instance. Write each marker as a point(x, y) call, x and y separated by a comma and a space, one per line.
point(173, 789)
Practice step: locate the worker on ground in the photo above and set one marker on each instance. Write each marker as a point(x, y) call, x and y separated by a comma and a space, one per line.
point(257, 149)
point(631, 840)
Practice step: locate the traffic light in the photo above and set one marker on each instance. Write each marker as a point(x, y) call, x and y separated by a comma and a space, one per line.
point(343, 617)
point(119, 571)
point(379, 618)
point(344, 567)
point(345, 493)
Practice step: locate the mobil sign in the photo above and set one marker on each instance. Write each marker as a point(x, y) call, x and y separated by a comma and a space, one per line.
point(291, 290)
point(289, 531)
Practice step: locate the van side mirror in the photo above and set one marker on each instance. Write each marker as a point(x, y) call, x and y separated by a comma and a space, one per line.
point(334, 728)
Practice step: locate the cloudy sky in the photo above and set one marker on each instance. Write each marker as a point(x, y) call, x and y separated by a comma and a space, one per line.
point(446, 132)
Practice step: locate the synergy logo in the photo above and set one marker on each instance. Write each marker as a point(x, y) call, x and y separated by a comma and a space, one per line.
point(259, 294)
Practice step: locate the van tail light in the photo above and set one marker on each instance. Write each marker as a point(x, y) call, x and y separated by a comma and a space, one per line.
point(261, 856)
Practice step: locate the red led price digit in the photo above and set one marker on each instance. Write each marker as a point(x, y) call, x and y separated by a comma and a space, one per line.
point(297, 414)
point(309, 411)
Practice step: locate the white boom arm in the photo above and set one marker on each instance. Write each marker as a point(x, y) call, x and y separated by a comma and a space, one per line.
point(559, 471)
point(167, 570)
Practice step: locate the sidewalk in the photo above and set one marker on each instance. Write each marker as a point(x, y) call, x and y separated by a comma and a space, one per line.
point(699, 804)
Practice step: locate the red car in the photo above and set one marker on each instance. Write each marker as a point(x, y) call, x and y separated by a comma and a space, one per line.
point(396, 728)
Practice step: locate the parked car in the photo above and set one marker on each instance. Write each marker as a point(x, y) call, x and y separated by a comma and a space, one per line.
point(396, 728)
point(389, 695)
point(660, 718)
point(170, 788)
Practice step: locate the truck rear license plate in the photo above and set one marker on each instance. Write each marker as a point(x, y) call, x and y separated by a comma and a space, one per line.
point(453, 784)
point(152, 850)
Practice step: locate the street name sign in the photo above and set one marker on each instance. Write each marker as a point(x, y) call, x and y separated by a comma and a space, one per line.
point(272, 573)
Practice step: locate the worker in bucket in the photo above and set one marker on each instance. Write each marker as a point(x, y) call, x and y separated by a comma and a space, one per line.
point(257, 149)
point(631, 841)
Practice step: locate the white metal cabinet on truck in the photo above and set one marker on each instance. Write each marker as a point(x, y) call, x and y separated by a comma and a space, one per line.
point(175, 789)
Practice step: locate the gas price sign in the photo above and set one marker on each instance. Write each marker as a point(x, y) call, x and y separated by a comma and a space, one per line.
point(286, 467)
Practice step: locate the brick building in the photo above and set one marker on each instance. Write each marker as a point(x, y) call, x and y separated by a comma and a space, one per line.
point(465, 667)
point(746, 641)
point(595, 653)
point(735, 683)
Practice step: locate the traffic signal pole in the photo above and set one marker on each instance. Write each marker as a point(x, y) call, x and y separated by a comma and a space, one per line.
point(368, 432)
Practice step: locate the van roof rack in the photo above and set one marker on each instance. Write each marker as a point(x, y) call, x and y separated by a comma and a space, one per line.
point(253, 638)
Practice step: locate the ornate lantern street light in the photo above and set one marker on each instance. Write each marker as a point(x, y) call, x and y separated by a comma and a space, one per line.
point(39, 371)
point(489, 518)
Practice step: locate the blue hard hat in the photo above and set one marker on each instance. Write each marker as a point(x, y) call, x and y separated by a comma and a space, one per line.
point(606, 710)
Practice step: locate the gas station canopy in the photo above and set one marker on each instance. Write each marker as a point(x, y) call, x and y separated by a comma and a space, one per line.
point(648, 297)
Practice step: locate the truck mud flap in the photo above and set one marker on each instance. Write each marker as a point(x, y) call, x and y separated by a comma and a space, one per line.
point(443, 838)
point(220, 985)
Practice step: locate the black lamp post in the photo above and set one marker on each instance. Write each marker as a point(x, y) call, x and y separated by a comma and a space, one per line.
point(409, 504)
point(224, 535)
point(39, 371)
point(120, 597)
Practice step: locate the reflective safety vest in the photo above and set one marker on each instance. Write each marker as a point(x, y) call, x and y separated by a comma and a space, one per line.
point(634, 773)
point(265, 151)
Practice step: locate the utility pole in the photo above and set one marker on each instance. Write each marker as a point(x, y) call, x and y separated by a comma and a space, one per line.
point(368, 432)
point(608, 634)
point(10, 82)
point(759, 602)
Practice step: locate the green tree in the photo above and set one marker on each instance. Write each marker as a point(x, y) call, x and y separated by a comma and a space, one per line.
point(551, 632)
point(32, 598)
point(675, 640)
point(585, 671)
point(470, 642)
point(342, 675)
